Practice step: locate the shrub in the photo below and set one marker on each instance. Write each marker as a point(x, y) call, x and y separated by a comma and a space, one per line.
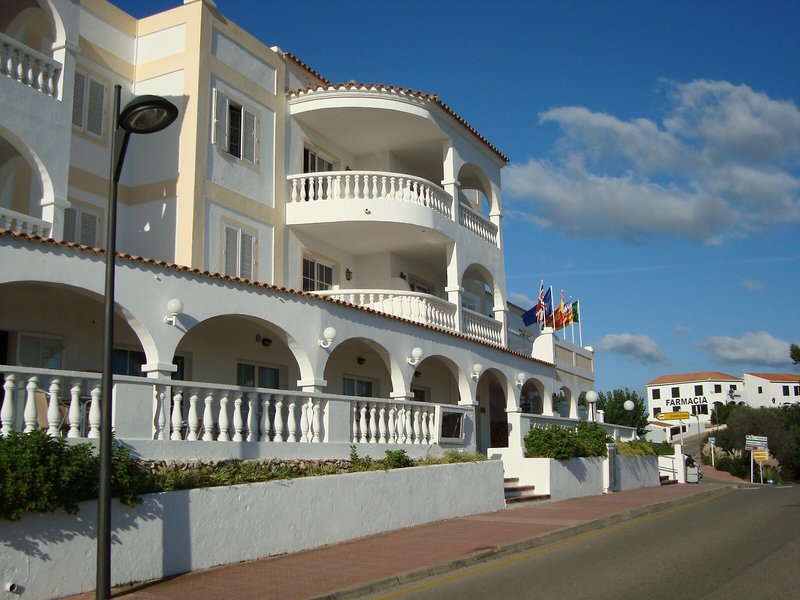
point(358, 463)
point(554, 442)
point(636, 448)
point(397, 459)
point(591, 439)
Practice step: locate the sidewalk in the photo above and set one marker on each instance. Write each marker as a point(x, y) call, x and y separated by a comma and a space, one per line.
point(379, 562)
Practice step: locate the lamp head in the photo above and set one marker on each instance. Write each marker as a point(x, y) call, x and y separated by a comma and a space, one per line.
point(147, 114)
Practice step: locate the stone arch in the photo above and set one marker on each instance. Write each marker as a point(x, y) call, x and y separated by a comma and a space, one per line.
point(12, 147)
point(441, 376)
point(366, 361)
point(491, 395)
point(471, 177)
point(243, 340)
point(33, 26)
point(532, 396)
point(471, 278)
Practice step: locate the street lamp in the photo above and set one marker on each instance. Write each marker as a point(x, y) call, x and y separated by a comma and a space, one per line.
point(143, 114)
point(591, 400)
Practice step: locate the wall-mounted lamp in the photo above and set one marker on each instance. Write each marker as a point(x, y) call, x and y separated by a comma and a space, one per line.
point(403, 275)
point(264, 341)
point(174, 309)
point(477, 369)
point(521, 379)
point(416, 356)
point(327, 337)
point(361, 360)
point(348, 274)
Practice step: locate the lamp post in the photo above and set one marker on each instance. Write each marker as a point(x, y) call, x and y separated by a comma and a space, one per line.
point(591, 400)
point(143, 114)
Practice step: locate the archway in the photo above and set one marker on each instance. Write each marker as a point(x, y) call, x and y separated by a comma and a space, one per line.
point(492, 422)
point(359, 367)
point(531, 397)
point(436, 380)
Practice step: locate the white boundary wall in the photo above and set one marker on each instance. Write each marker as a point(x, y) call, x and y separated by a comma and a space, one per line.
point(53, 555)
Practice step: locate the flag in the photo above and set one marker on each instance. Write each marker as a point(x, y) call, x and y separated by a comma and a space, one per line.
point(576, 317)
point(557, 322)
point(535, 314)
point(548, 307)
point(568, 315)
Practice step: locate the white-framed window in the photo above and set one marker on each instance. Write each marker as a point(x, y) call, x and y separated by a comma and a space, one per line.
point(314, 163)
point(353, 386)
point(254, 375)
point(39, 350)
point(239, 258)
point(235, 129)
point(316, 275)
point(81, 225)
point(88, 104)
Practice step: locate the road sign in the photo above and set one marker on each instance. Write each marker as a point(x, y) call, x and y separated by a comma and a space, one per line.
point(755, 442)
point(672, 416)
point(712, 441)
point(760, 455)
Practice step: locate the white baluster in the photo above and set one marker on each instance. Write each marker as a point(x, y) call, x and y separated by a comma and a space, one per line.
point(94, 413)
point(208, 418)
point(279, 418)
point(177, 415)
point(294, 191)
point(328, 190)
point(238, 422)
point(7, 412)
point(161, 412)
point(347, 195)
point(417, 426)
point(425, 432)
point(291, 420)
point(431, 425)
point(374, 186)
point(265, 428)
point(252, 414)
point(355, 421)
point(336, 192)
point(392, 425)
point(382, 425)
point(356, 187)
point(194, 420)
point(29, 413)
point(383, 186)
point(363, 424)
point(75, 410)
point(53, 412)
point(317, 421)
point(304, 422)
point(401, 424)
point(320, 187)
point(392, 189)
point(224, 423)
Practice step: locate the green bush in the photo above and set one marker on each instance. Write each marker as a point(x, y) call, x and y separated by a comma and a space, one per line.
point(591, 439)
point(397, 459)
point(554, 442)
point(636, 448)
point(40, 473)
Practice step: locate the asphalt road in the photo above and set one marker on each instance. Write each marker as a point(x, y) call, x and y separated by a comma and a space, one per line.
point(745, 544)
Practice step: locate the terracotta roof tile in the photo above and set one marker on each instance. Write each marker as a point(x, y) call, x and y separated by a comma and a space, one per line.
point(777, 377)
point(261, 285)
point(353, 86)
point(697, 376)
point(300, 63)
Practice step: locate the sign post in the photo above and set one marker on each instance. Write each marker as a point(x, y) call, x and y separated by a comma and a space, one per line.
point(753, 443)
point(674, 416)
point(713, 442)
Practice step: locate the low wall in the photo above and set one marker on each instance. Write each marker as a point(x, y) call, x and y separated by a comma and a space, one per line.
point(53, 555)
point(636, 472)
point(576, 477)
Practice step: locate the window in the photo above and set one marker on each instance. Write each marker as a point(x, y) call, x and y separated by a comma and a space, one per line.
point(416, 286)
point(676, 409)
point(357, 387)
point(40, 351)
point(656, 410)
point(80, 226)
point(420, 394)
point(698, 390)
point(240, 253)
point(316, 275)
point(235, 129)
point(717, 388)
point(785, 390)
point(700, 409)
point(130, 362)
point(676, 392)
point(656, 394)
point(88, 104)
point(797, 390)
point(760, 390)
point(314, 163)
point(250, 375)
point(733, 386)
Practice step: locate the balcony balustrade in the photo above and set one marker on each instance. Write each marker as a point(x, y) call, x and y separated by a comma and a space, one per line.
point(20, 223)
point(29, 67)
point(531, 421)
point(68, 406)
point(414, 306)
point(477, 224)
point(367, 185)
point(482, 327)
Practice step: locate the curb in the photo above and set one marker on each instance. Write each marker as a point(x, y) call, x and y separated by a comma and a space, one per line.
point(483, 556)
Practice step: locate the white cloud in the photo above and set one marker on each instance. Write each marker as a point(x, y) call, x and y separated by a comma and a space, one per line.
point(751, 285)
point(521, 300)
point(722, 162)
point(757, 348)
point(638, 346)
point(681, 329)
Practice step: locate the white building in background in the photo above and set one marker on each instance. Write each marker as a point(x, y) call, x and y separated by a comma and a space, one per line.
point(313, 262)
point(771, 389)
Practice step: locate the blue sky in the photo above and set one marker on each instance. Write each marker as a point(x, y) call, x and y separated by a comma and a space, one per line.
point(654, 146)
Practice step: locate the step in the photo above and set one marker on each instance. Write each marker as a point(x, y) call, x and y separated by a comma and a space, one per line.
point(668, 481)
point(530, 498)
point(510, 480)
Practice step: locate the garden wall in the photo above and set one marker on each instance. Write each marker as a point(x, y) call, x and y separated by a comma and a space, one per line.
point(53, 555)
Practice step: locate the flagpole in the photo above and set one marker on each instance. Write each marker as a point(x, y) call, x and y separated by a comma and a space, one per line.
point(554, 310)
point(572, 323)
point(580, 320)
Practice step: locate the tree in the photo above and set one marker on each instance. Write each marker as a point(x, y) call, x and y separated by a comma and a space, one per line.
point(613, 404)
point(794, 353)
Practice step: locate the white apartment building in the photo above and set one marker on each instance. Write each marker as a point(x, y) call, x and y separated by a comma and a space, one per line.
point(771, 389)
point(298, 260)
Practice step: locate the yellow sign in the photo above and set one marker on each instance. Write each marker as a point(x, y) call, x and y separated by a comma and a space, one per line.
point(760, 455)
point(672, 416)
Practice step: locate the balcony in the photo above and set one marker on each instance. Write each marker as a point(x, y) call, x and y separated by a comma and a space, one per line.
point(19, 223)
point(339, 196)
point(28, 67)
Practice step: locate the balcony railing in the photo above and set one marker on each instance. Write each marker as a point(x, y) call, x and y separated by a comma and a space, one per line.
point(29, 67)
point(20, 223)
point(363, 185)
point(67, 405)
point(530, 421)
point(414, 306)
point(477, 224)
point(482, 327)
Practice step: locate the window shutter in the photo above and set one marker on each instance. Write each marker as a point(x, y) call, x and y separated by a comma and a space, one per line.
point(70, 221)
point(94, 114)
point(219, 129)
point(247, 255)
point(77, 99)
point(249, 136)
point(231, 251)
point(88, 229)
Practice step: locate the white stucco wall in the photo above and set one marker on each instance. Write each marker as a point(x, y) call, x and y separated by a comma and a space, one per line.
point(641, 471)
point(46, 554)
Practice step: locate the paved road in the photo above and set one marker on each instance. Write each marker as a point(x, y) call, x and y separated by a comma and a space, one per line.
point(742, 545)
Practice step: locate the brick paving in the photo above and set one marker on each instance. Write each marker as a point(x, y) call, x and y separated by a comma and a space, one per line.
point(406, 554)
